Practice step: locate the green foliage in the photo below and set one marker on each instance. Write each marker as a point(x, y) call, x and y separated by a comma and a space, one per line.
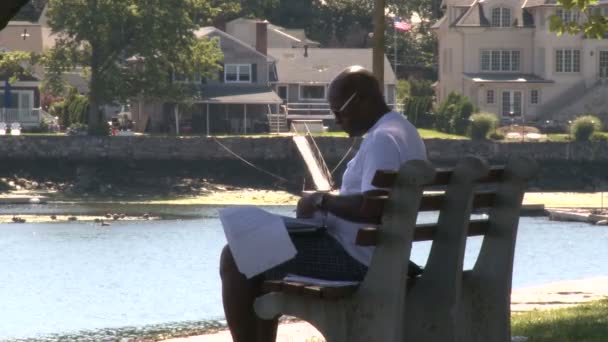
point(130, 47)
point(599, 137)
point(421, 87)
point(481, 125)
point(72, 110)
point(453, 114)
point(583, 127)
point(16, 64)
point(586, 322)
point(417, 109)
point(592, 25)
point(402, 91)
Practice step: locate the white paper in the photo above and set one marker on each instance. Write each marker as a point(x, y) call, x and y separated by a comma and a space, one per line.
point(318, 281)
point(258, 239)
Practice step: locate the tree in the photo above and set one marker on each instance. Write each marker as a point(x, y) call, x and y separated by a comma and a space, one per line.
point(592, 25)
point(16, 64)
point(131, 47)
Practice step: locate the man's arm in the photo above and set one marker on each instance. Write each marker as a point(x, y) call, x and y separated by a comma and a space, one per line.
point(349, 207)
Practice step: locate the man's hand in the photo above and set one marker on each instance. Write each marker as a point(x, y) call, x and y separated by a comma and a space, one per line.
point(307, 204)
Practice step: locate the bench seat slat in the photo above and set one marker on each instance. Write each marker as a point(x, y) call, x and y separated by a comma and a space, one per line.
point(308, 290)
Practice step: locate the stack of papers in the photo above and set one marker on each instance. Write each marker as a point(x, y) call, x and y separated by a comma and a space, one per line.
point(259, 240)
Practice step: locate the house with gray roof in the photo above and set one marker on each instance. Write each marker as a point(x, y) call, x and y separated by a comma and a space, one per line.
point(259, 88)
point(302, 75)
point(502, 55)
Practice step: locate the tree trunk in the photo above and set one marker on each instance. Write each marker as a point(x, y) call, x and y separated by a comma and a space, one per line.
point(94, 118)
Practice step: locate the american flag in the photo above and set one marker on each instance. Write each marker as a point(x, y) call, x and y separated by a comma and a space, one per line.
point(401, 25)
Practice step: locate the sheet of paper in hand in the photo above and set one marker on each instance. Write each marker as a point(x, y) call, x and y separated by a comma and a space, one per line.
point(258, 239)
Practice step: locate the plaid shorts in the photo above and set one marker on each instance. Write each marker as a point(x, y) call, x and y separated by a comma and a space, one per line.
point(319, 255)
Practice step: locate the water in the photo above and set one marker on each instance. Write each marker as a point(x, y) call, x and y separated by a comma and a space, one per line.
point(66, 277)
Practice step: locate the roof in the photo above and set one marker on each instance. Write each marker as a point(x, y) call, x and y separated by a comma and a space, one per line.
point(439, 22)
point(538, 3)
point(474, 17)
point(322, 65)
point(236, 94)
point(297, 35)
point(457, 3)
point(208, 30)
point(505, 78)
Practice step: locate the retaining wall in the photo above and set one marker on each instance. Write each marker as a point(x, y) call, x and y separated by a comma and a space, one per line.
point(564, 166)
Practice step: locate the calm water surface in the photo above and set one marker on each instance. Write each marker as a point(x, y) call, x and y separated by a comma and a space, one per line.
point(66, 277)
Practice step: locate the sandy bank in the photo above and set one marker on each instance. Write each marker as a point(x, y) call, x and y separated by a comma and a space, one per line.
point(543, 297)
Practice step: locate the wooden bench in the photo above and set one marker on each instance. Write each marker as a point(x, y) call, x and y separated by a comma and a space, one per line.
point(445, 303)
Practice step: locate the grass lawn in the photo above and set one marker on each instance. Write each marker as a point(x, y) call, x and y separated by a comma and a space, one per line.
point(582, 323)
point(432, 134)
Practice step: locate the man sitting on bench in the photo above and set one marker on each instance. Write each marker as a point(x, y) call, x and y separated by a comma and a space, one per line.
point(356, 100)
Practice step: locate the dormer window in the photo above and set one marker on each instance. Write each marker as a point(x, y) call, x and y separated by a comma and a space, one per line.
point(501, 17)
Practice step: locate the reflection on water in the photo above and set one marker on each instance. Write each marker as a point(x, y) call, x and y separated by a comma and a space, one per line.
point(66, 277)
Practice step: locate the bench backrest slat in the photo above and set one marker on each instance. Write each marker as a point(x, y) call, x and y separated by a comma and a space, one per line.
point(374, 205)
point(386, 179)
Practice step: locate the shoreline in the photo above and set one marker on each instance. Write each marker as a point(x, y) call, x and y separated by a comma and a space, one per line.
point(548, 296)
point(97, 208)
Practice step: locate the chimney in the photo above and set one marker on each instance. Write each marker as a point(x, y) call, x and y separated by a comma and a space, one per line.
point(305, 50)
point(261, 37)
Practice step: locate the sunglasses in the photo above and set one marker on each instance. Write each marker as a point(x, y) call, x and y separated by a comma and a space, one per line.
point(339, 111)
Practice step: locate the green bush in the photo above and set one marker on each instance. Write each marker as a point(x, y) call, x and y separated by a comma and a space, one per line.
point(421, 87)
point(584, 127)
point(416, 108)
point(402, 91)
point(481, 125)
point(453, 114)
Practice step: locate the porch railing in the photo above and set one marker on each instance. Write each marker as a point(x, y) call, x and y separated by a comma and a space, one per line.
point(319, 110)
point(24, 116)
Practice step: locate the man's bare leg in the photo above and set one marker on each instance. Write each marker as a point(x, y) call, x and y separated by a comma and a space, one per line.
point(238, 295)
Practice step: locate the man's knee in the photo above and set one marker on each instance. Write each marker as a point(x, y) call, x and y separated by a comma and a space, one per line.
point(227, 264)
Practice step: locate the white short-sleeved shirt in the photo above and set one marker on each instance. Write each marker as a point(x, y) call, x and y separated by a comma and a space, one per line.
point(387, 145)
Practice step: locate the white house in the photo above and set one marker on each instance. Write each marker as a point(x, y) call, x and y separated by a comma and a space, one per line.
point(503, 57)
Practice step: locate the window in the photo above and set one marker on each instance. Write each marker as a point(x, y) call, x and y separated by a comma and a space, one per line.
point(312, 92)
point(282, 90)
point(534, 97)
point(22, 99)
point(237, 73)
point(567, 60)
point(490, 96)
point(501, 17)
point(566, 16)
point(500, 60)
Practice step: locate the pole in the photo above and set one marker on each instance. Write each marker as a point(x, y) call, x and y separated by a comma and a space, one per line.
point(208, 119)
point(378, 53)
point(245, 119)
point(395, 47)
point(176, 112)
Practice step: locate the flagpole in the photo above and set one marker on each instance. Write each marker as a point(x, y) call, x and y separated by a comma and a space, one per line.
point(378, 52)
point(395, 46)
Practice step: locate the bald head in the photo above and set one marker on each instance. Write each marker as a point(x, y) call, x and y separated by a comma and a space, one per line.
point(355, 97)
point(356, 79)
